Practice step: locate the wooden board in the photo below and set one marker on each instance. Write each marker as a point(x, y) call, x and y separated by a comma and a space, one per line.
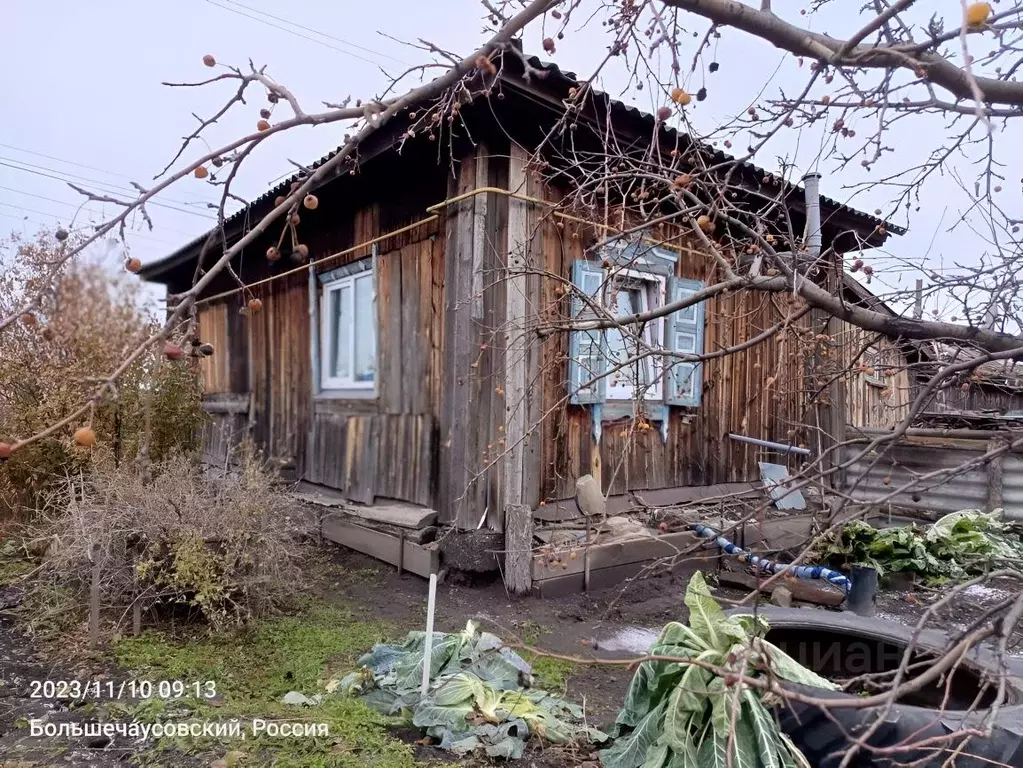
point(777, 534)
point(808, 592)
point(620, 553)
point(566, 509)
point(361, 458)
point(603, 578)
point(420, 560)
point(396, 513)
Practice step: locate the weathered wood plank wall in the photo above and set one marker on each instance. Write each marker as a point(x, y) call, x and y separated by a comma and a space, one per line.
point(385, 446)
point(280, 376)
point(761, 391)
point(472, 411)
point(869, 404)
point(215, 370)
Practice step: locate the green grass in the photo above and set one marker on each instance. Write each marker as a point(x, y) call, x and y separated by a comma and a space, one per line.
point(253, 670)
point(13, 562)
point(551, 674)
point(10, 570)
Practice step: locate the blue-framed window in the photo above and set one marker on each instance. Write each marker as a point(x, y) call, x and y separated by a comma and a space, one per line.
point(628, 281)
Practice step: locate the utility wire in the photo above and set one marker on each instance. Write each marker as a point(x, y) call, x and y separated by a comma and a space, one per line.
point(85, 178)
point(112, 186)
point(64, 160)
point(293, 32)
point(144, 236)
point(101, 185)
point(86, 202)
point(317, 32)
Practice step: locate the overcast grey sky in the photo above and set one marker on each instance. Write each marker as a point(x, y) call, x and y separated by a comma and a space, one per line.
point(82, 83)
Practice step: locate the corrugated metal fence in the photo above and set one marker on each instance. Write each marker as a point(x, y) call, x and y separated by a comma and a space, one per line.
point(936, 474)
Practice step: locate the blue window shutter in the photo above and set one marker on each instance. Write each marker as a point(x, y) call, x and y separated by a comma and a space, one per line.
point(587, 357)
point(684, 333)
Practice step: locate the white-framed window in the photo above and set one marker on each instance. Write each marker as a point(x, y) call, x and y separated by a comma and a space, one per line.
point(631, 293)
point(873, 368)
point(348, 333)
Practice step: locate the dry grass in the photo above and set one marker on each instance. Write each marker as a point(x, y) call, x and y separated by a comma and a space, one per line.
point(226, 546)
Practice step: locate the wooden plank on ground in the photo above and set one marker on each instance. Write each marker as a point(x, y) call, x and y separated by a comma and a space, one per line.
point(616, 553)
point(418, 559)
point(566, 509)
point(808, 592)
point(777, 534)
point(401, 515)
point(605, 578)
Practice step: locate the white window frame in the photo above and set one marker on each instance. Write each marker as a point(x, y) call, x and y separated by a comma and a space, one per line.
point(875, 358)
point(654, 286)
point(328, 343)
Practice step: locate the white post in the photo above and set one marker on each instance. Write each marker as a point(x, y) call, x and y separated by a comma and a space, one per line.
point(428, 647)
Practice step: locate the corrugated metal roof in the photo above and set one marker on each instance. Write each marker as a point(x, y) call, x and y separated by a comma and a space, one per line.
point(619, 108)
point(567, 79)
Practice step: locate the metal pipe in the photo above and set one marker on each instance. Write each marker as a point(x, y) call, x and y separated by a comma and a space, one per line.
point(763, 565)
point(811, 192)
point(780, 447)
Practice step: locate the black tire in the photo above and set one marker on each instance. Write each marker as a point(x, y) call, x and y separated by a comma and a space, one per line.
point(822, 735)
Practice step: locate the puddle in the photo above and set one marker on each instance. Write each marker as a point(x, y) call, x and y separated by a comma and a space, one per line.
point(983, 594)
point(629, 640)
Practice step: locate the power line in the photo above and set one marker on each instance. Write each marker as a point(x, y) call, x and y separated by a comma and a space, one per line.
point(317, 32)
point(109, 187)
point(128, 231)
point(81, 165)
point(63, 160)
point(86, 202)
point(119, 188)
point(293, 32)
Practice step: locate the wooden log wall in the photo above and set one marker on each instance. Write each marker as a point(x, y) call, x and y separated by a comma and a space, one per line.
point(868, 404)
point(278, 337)
point(760, 392)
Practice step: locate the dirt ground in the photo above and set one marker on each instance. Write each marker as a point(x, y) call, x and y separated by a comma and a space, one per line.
point(613, 624)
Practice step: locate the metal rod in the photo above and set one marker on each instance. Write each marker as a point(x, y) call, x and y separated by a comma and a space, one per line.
point(780, 447)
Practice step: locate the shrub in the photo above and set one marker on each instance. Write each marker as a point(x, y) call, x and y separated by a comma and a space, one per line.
point(225, 546)
point(51, 362)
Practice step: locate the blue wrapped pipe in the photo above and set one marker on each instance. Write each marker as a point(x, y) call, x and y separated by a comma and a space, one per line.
point(764, 565)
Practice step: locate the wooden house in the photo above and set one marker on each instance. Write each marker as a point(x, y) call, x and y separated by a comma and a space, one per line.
point(415, 356)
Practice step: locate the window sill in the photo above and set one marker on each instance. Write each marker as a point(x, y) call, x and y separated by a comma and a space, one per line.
point(346, 394)
point(614, 410)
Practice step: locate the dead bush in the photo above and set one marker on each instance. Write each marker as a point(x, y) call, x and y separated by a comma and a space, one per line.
point(225, 546)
